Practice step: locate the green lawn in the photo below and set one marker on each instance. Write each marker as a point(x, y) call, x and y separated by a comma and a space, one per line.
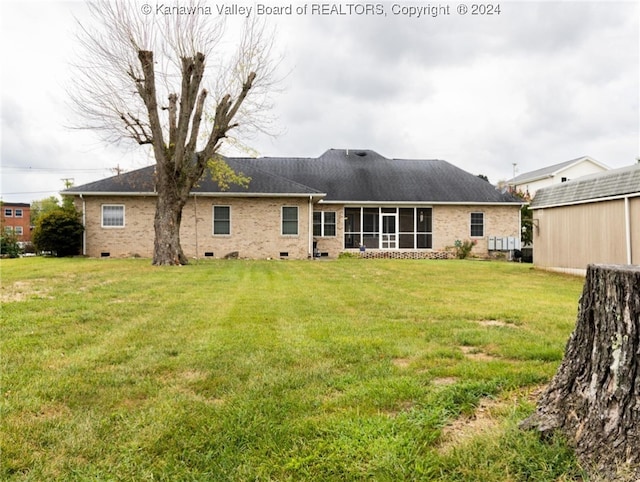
point(279, 370)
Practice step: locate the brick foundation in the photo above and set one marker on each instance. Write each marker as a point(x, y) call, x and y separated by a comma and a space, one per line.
point(406, 254)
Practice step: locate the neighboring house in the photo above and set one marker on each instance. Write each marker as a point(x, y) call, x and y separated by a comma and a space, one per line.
point(16, 218)
point(529, 182)
point(594, 219)
point(296, 208)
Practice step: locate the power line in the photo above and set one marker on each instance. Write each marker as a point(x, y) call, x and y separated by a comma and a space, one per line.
point(55, 169)
point(28, 192)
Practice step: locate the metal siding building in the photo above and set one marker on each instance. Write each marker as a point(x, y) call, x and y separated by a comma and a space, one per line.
point(594, 219)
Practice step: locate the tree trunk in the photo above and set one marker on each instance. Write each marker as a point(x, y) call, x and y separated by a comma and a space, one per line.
point(594, 398)
point(166, 224)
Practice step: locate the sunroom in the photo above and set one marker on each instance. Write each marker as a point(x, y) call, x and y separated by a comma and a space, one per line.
point(388, 228)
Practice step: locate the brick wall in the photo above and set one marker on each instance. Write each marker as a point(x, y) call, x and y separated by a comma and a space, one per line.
point(332, 245)
point(256, 228)
point(451, 223)
point(134, 239)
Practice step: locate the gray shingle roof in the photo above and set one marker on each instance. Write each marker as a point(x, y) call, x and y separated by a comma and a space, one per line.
point(548, 171)
point(617, 182)
point(343, 175)
point(141, 181)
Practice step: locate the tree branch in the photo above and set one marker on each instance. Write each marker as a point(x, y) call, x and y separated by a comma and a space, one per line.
point(173, 112)
point(147, 90)
point(195, 122)
point(225, 112)
point(136, 129)
point(192, 72)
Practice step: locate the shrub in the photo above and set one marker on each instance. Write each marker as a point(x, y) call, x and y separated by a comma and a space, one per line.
point(463, 248)
point(9, 246)
point(59, 232)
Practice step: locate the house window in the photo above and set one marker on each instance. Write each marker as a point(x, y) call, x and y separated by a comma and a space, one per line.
point(324, 223)
point(8, 212)
point(18, 213)
point(18, 230)
point(289, 220)
point(8, 229)
point(221, 220)
point(112, 216)
point(477, 225)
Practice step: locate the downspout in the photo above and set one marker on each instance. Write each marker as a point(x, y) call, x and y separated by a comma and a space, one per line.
point(519, 235)
point(627, 227)
point(84, 225)
point(195, 211)
point(310, 228)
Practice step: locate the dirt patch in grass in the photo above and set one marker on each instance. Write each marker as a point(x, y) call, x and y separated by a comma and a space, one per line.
point(401, 362)
point(466, 428)
point(401, 407)
point(444, 381)
point(474, 353)
point(22, 290)
point(485, 421)
point(495, 323)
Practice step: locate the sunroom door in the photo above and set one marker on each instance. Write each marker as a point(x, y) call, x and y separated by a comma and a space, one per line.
point(389, 235)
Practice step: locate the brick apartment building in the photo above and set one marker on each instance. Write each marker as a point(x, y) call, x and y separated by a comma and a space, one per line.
point(16, 218)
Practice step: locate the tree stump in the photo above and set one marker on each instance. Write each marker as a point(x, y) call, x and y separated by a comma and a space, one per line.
point(594, 398)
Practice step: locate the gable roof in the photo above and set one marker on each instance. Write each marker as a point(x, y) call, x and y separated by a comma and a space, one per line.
point(594, 187)
point(552, 170)
point(338, 175)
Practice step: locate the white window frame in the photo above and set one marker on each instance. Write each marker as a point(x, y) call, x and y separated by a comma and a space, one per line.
point(213, 220)
point(17, 213)
point(8, 212)
point(323, 224)
point(471, 225)
point(113, 226)
point(18, 230)
point(282, 221)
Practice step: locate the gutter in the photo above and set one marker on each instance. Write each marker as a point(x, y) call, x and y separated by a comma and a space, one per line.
point(84, 225)
point(201, 195)
point(310, 228)
point(422, 203)
point(627, 228)
point(587, 201)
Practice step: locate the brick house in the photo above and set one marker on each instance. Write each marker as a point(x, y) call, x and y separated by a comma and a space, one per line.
point(16, 218)
point(296, 208)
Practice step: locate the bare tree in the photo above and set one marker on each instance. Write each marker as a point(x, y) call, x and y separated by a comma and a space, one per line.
point(167, 79)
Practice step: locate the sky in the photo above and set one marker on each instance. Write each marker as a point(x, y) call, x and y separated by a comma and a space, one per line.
point(534, 84)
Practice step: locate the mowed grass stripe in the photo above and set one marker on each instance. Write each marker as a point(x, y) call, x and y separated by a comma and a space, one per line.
point(277, 370)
